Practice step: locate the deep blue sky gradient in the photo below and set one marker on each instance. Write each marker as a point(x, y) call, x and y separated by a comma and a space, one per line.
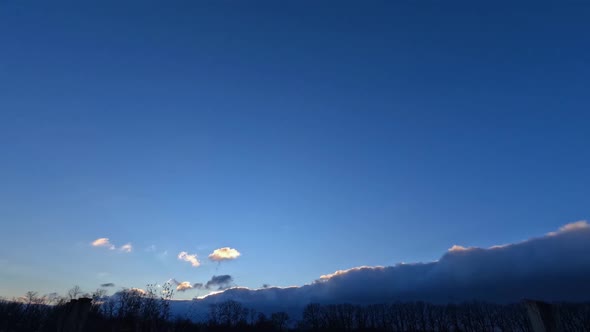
point(310, 136)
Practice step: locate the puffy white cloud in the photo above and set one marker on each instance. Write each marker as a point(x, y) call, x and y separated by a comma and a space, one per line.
point(185, 256)
point(126, 247)
point(103, 242)
point(224, 254)
point(554, 267)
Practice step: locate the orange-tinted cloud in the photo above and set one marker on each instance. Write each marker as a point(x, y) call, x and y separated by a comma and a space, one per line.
point(103, 242)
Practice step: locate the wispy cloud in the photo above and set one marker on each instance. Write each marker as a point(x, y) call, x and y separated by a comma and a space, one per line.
point(103, 242)
point(185, 256)
point(162, 255)
point(224, 254)
point(108, 284)
point(126, 247)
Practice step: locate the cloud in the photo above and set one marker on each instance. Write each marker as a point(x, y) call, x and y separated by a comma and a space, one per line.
point(219, 282)
point(126, 247)
point(103, 242)
point(108, 284)
point(130, 291)
point(138, 291)
point(341, 272)
point(224, 254)
point(162, 255)
point(184, 286)
point(574, 226)
point(553, 267)
point(184, 256)
point(457, 248)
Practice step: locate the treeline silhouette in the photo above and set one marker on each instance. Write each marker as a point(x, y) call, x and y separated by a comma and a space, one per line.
point(149, 310)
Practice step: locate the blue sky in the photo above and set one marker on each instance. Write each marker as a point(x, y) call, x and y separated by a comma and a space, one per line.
point(309, 137)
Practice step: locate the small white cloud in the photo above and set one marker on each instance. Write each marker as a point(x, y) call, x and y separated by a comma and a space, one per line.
point(184, 256)
point(224, 254)
point(103, 242)
point(126, 247)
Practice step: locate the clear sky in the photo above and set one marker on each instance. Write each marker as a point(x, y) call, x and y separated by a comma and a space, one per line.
point(309, 136)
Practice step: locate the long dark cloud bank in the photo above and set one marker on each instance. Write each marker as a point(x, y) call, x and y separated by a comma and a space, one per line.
point(554, 267)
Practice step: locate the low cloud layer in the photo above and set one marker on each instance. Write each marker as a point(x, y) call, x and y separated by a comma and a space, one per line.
point(215, 283)
point(184, 256)
point(553, 267)
point(224, 254)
